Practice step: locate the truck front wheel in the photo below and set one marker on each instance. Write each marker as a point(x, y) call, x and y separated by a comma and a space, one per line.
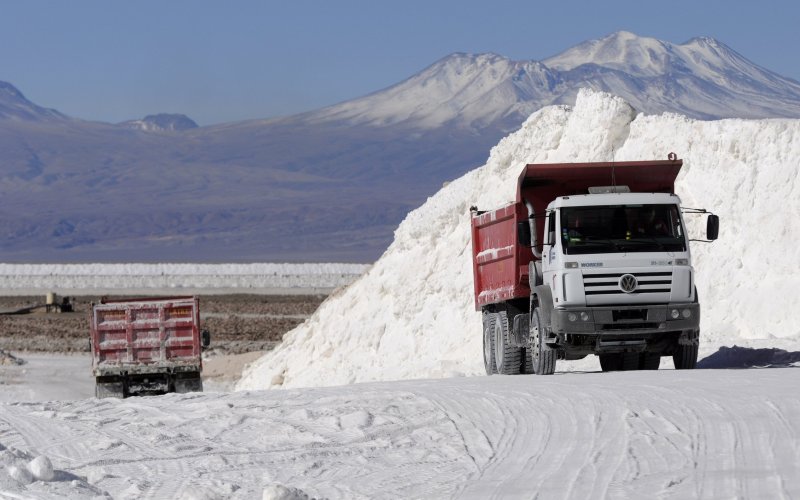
point(543, 357)
point(685, 357)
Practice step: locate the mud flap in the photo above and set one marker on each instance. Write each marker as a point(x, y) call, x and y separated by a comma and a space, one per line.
point(544, 297)
point(521, 330)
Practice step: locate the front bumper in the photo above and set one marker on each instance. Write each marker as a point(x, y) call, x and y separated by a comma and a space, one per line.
point(624, 320)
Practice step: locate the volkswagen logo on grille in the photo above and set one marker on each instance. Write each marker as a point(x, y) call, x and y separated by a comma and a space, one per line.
point(628, 283)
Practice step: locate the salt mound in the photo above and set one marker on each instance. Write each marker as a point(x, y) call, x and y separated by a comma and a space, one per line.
point(42, 468)
point(411, 315)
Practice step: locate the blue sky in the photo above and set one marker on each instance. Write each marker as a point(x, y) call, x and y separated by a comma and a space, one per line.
point(226, 61)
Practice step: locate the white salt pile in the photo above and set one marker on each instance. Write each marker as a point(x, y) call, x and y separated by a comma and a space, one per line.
point(411, 315)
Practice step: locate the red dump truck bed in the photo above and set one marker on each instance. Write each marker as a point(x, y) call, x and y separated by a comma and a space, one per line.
point(147, 346)
point(500, 262)
point(145, 334)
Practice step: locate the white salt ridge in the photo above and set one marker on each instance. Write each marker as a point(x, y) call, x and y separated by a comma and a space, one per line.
point(412, 316)
point(14, 277)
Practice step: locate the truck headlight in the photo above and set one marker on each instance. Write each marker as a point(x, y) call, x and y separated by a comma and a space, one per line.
point(675, 314)
point(571, 265)
point(686, 313)
point(572, 316)
point(681, 262)
point(584, 316)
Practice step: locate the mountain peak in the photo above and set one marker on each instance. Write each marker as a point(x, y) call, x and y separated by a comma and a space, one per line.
point(9, 91)
point(14, 106)
point(162, 122)
point(621, 50)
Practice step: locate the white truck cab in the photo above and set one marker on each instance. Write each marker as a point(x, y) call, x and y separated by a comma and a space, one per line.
point(618, 265)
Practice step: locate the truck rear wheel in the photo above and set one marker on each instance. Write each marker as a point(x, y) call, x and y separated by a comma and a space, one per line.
point(543, 357)
point(109, 389)
point(488, 343)
point(619, 361)
point(528, 361)
point(507, 356)
point(685, 357)
point(189, 383)
point(610, 362)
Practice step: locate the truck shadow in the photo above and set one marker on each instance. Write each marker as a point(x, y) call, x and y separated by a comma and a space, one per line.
point(746, 357)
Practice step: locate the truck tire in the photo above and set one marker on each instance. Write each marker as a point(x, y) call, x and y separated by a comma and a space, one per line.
point(543, 357)
point(488, 343)
point(528, 361)
point(649, 361)
point(507, 356)
point(685, 357)
point(109, 390)
point(189, 383)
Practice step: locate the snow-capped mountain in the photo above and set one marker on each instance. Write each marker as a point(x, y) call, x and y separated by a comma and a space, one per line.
point(162, 122)
point(702, 78)
point(14, 106)
point(462, 89)
point(331, 184)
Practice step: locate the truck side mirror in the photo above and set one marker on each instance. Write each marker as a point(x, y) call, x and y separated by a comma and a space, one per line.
point(712, 227)
point(205, 338)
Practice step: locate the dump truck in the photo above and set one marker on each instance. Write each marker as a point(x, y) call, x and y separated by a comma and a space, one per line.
point(591, 258)
point(147, 346)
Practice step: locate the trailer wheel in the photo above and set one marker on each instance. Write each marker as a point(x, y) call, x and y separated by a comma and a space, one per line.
point(488, 343)
point(543, 357)
point(685, 357)
point(507, 357)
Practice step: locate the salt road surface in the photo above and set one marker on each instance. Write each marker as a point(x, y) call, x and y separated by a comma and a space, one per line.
point(664, 434)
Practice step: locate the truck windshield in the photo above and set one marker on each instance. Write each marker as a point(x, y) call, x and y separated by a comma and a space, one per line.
point(622, 228)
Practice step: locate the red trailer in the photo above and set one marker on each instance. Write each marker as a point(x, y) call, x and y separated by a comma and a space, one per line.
point(569, 269)
point(147, 346)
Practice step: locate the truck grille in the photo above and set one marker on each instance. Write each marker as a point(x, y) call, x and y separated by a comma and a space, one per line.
point(608, 284)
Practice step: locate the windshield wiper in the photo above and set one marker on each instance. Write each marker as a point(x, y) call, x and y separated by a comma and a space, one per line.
point(601, 241)
point(647, 239)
